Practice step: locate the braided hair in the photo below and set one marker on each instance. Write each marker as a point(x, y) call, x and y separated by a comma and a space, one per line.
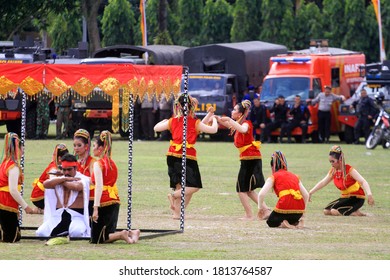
point(243, 108)
point(278, 161)
point(59, 151)
point(12, 148)
point(178, 106)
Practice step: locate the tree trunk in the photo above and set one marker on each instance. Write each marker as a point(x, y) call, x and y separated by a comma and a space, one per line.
point(162, 16)
point(90, 12)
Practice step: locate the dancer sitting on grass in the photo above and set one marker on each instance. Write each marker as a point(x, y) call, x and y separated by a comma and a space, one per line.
point(106, 202)
point(354, 188)
point(292, 195)
point(175, 151)
point(250, 176)
point(38, 191)
point(66, 202)
point(11, 178)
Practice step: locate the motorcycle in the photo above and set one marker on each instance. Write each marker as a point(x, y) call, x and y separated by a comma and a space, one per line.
point(380, 134)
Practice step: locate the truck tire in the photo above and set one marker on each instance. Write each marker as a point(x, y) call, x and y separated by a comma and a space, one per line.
point(349, 134)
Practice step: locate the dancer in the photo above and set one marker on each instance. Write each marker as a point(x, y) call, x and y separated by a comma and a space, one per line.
point(175, 151)
point(354, 188)
point(66, 202)
point(292, 195)
point(11, 178)
point(250, 175)
point(106, 202)
point(82, 148)
point(38, 191)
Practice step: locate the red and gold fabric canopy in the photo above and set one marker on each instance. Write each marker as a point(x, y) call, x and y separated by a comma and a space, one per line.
point(113, 79)
point(58, 78)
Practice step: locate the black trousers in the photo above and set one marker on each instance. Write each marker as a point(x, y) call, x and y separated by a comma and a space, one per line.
point(324, 121)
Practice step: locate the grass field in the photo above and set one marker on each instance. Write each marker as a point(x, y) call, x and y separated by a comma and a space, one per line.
point(213, 230)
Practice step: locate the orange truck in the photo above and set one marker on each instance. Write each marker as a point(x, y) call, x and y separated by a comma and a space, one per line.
point(305, 73)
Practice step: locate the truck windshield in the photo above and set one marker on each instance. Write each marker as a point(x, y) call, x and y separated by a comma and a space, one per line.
point(288, 87)
point(199, 86)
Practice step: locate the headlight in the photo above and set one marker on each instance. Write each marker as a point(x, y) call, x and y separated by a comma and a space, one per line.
point(80, 105)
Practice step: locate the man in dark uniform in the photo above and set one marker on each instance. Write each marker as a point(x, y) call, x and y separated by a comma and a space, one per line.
point(366, 111)
point(280, 111)
point(258, 116)
point(300, 117)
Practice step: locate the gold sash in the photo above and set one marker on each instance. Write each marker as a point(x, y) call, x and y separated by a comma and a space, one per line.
point(179, 146)
point(257, 144)
point(6, 188)
point(39, 185)
point(296, 194)
point(351, 189)
point(112, 191)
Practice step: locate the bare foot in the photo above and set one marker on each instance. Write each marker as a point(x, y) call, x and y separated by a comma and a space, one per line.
point(264, 214)
point(286, 224)
point(301, 224)
point(134, 235)
point(171, 201)
point(335, 212)
point(125, 236)
point(358, 213)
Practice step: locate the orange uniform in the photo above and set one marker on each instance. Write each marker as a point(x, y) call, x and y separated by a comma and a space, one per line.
point(348, 187)
point(7, 202)
point(247, 146)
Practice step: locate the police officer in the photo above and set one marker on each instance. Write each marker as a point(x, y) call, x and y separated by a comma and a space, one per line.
point(366, 111)
point(325, 100)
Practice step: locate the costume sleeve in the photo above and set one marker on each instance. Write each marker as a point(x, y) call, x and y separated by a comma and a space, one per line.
point(13, 177)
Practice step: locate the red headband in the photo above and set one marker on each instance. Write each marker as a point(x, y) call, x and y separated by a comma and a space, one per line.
point(67, 164)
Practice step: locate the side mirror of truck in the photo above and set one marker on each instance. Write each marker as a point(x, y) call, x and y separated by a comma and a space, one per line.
point(311, 94)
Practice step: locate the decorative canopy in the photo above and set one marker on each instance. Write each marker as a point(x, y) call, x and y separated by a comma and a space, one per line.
point(114, 80)
point(59, 78)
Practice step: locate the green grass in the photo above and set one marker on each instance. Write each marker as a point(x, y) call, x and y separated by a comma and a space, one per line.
point(212, 226)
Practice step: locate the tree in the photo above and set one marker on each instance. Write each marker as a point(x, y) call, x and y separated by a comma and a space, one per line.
point(190, 22)
point(90, 10)
point(217, 22)
point(118, 23)
point(334, 24)
point(278, 22)
point(245, 22)
point(308, 25)
point(355, 38)
point(64, 30)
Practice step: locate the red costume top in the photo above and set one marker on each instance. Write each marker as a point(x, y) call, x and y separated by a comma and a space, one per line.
point(286, 187)
point(248, 147)
point(110, 175)
point(85, 170)
point(349, 186)
point(7, 202)
point(38, 191)
point(176, 128)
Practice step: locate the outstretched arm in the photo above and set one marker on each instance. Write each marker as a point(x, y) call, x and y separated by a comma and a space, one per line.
point(210, 114)
point(304, 193)
point(264, 190)
point(242, 128)
point(207, 128)
point(320, 185)
point(366, 187)
point(162, 125)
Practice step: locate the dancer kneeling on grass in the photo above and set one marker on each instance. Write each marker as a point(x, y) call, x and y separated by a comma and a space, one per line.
point(66, 202)
point(292, 195)
point(354, 188)
point(175, 151)
point(38, 191)
point(106, 202)
point(250, 176)
point(11, 178)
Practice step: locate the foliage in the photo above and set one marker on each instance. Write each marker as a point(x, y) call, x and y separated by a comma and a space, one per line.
point(217, 21)
point(190, 22)
point(308, 25)
point(245, 22)
point(118, 23)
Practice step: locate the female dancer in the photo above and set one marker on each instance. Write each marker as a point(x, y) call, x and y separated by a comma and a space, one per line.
point(250, 176)
point(38, 191)
point(292, 195)
point(10, 198)
point(175, 151)
point(82, 147)
point(354, 188)
point(106, 201)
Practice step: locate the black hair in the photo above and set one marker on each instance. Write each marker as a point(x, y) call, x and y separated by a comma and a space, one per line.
point(69, 157)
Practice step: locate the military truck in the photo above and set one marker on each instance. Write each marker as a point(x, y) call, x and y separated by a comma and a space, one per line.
point(221, 73)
